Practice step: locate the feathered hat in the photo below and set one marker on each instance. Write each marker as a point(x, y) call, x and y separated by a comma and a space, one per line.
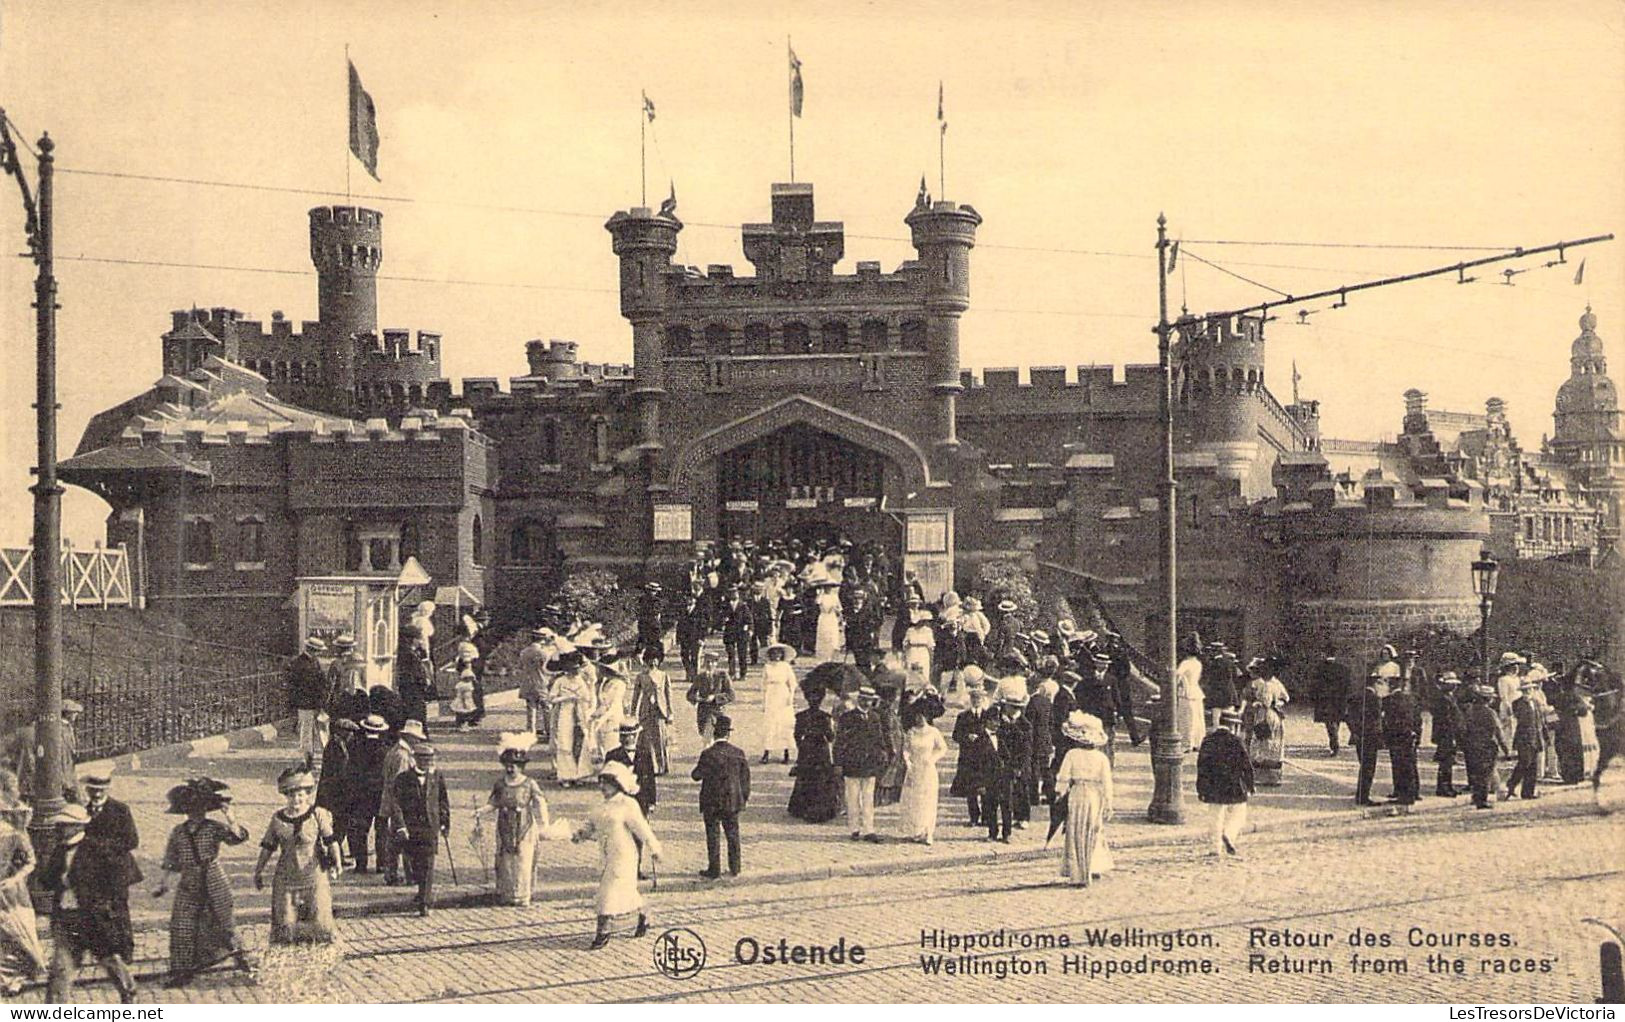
point(1013, 690)
point(514, 746)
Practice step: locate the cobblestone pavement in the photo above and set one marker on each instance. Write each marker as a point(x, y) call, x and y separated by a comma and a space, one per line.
point(1388, 873)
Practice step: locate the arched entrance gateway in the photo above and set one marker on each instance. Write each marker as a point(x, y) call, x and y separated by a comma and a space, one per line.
point(803, 469)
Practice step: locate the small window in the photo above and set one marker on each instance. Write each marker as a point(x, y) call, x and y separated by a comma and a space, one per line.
point(600, 441)
point(758, 338)
point(197, 541)
point(679, 340)
point(914, 335)
point(409, 541)
point(477, 541)
point(797, 339)
point(834, 337)
point(549, 451)
point(250, 542)
point(874, 335)
point(532, 542)
point(718, 339)
point(1529, 529)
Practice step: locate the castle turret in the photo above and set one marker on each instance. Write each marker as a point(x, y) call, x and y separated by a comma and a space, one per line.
point(645, 242)
point(1219, 374)
point(346, 244)
point(1588, 436)
point(944, 233)
point(553, 360)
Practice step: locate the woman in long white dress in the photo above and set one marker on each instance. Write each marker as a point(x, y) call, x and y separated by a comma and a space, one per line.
point(919, 642)
point(573, 701)
point(613, 702)
point(1085, 781)
point(778, 701)
point(827, 641)
point(620, 829)
point(923, 749)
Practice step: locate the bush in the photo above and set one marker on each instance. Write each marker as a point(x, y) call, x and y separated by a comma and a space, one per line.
point(596, 595)
point(1005, 580)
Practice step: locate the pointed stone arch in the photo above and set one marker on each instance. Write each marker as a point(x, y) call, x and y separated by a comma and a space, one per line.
point(900, 450)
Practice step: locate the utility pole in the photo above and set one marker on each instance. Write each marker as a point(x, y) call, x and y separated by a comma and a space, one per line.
point(47, 555)
point(1167, 736)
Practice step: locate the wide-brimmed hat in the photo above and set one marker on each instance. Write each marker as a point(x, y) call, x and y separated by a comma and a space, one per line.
point(1509, 659)
point(920, 616)
point(1084, 728)
point(972, 675)
point(315, 645)
point(653, 587)
point(867, 694)
point(1100, 658)
point(374, 723)
point(345, 724)
point(72, 706)
point(1230, 717)
point(1013, 691)
point(1070, 677)
point(784, 649)
point(972, 604)
point(1039, 636)
point(1006, 606)
point(633, 728)
point(345, 642)
point(568, 660)
point(414, 729)
point(1449, 678)
point(621, 775)
point(543, 632)
point(1388, 652)
point(514, 746)
point(1065, 626)
point(99, 777)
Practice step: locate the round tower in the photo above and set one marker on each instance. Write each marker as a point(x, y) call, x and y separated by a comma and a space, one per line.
point(346, 245)
point(645, 243)
point(943, 234)
point(553, 360)
point(1219, 374)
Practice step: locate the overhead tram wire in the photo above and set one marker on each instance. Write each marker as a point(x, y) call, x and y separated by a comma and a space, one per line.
point(1246, 280)
point(1352, 244)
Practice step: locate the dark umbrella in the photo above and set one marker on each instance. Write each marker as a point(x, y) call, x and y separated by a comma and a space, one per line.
point(1057, 818)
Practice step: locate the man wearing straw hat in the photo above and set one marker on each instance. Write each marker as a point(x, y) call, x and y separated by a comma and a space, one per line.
point(1483, 743)
point(307, 692)
point(1449, 726)
point(90, 910)
point(420, 818)
point(1526, 742)
point(862, 753)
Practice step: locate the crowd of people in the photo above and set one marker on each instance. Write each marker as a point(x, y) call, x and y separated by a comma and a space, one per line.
point(1036, 717)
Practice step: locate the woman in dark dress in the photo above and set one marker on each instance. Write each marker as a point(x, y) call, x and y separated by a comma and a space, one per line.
point(816, 796)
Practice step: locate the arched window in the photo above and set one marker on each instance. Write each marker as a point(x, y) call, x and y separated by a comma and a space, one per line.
point(282, 372)
point(874, 335)
point(718, 339)
point(797, 339)
point(532, 542)
point(600, 440)
point(477, 541)
point(416, 394)
point(913, 335)
point(313, 373)
point(834, 340)
point(679, 340)
point(409, 540)
point(296, 373)
point(758, 339)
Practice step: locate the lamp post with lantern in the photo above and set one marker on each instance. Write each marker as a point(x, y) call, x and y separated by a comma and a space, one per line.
point(1484, 573)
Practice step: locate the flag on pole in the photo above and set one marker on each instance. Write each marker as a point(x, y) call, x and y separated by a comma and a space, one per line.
point(941, 116)
point(795, 83)
point(363, 125)
point(1580, 274)
point(648, 108)
point(1173, 255)
point(669, 206)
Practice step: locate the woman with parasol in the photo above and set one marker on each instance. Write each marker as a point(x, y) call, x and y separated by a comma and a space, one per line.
point(1083, 801)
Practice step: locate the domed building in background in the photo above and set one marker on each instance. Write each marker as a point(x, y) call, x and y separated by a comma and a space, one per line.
point(1588, 440)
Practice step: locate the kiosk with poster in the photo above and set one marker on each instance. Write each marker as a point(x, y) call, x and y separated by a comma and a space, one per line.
point(365, 606)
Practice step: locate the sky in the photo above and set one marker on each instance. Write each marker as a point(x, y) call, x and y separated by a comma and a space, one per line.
point(510, 132)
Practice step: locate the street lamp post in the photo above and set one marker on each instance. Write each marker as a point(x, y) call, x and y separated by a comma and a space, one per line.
point(47, 555)
point(1168, 742)
point(1484, 573)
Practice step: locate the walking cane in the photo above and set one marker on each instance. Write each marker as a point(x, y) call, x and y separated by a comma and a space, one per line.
point(449, 860)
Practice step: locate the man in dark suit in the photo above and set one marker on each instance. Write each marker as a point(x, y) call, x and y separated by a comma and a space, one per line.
point(738, 625)
point(762, 613)
point(863, 623)
point(1449, 727)
point(1401, 730)
point(421, 816)
point(709, 691)
point(1012, 747)
point(1224, 780)
point(1120, 672)
point(1096, 695)
point(651, 625)
point(693, 624)
point(1526, 743)
point(1367, 709)
point(1330, 681)
point(724, 776)
point(1482, 745)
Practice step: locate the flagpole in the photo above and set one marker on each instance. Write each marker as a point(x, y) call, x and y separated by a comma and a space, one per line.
point(790, 103)
point(349, 113)
point(643, 152)
point(942, 162)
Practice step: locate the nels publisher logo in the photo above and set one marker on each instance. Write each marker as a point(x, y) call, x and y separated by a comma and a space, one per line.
point(679, 953)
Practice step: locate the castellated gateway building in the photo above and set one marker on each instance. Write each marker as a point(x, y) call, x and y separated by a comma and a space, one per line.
point(791, 400)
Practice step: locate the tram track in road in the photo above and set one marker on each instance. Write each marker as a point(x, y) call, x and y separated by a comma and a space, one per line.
point(955, 887)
